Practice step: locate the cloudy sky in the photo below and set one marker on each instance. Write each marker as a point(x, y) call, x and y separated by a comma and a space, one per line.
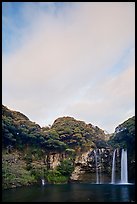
point(69, 59)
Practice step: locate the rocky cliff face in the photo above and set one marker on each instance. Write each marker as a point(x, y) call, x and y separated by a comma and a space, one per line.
point(88, 163)
point(53, 159)
point(124, 137)
point(75, 142)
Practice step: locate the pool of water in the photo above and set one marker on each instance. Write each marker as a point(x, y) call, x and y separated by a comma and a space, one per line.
point(71, 193)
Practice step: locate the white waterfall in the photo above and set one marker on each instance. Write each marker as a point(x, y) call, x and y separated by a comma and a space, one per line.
point(43, 182)
point(124, 169)
point(113, 168)
point(97, 178)
point(100, 179)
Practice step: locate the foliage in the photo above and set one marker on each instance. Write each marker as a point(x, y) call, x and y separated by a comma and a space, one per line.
point(66, 167)
point(66, 132)
point(77, 133)
point(15, 174)
point(19, 131)
point(38, 173)
point(101, 144)
point(54, 176)
point(65, 135)
point(70, 152)
point(124, 135)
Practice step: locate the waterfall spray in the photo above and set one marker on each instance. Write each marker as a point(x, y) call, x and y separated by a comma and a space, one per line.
point(100, 176)
point(124, 169)
point(113, 168)
point(43, 182)
point(97, 179)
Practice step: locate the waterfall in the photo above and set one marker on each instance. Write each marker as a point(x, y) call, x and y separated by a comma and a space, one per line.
point(113, 168)
point(43, 182)
point(124, 170)
point(100, 166)
point(97, 179)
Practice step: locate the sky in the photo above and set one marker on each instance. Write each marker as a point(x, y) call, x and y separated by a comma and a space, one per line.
point(69, 59)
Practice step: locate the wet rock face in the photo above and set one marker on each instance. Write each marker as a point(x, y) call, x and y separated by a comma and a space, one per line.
point(82, 159)
point(104, 160)
point(76, 173)
point(94, 160)
point(88, 163)
point(53, 159)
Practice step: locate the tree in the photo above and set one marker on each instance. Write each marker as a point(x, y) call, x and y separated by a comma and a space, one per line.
point(66, 167)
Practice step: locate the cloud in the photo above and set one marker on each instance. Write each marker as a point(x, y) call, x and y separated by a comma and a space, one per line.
point(66, 62)
point(109, 100)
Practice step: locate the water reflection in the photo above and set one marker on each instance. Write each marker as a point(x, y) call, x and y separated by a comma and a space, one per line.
point(125, 194)
point(71, 193)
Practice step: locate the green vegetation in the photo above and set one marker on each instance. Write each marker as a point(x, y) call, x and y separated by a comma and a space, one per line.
point(124, 137)
point(14, 172)
point(77, 133)
point(62, 172)
point(28, 149)
point(66, 167)
point(66, 132)
point(54, 176)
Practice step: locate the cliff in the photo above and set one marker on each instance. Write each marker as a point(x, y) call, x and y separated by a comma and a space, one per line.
point(64, 152)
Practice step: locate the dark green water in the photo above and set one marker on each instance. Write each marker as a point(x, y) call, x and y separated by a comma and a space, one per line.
point(71, 193)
